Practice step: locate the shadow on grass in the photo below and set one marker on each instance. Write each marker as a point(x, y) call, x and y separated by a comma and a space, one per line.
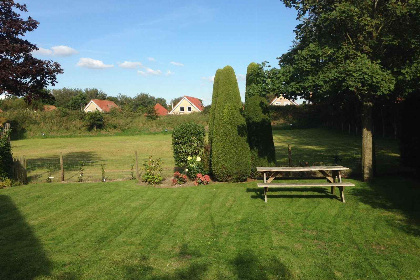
point(323, 193)
point(247, 266)
point(195, 269)
point(72, 162)
point(394, 193)
point(21, 254)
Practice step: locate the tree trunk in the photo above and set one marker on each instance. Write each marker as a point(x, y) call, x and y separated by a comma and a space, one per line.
point(367, 143)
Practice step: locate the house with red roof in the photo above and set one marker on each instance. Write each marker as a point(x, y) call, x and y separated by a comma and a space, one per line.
point(187, 105)
point(103, 106)
point(160, 110)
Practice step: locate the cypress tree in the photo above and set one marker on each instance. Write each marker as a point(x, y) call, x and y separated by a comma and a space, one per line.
point(213, 104)
point(258, 121)
point(230, 154)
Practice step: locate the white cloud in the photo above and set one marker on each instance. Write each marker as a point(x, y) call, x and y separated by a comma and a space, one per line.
point(42, 51)
point(208, 79)
point(56, 51)
point(241, 77)
point(149, 72)
point(130, 64)
point(151, 59)
point(169, 73)
point(177, 63)
point(63, 51)
point(93, 63)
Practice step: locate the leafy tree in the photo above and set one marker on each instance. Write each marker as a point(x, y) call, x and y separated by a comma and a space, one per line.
point(94, 120)
point(20, 73)
point(363, 49)
point(162, 101)
point(230, 154)
point(257, 116)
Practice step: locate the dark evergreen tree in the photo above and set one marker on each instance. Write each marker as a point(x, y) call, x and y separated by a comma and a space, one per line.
point(230, 154)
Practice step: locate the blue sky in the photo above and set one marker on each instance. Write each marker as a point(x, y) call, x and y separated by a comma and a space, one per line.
point(166, 48)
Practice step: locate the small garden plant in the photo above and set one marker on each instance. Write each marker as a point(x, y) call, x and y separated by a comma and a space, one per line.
point(202, 179)
point(179, 178)
point(152, 171)
point(194, 167)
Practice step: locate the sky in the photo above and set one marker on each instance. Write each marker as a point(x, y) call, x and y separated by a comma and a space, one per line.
point(166, 48)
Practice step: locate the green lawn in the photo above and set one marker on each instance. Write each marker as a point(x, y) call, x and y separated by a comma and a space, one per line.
point(315, 146)
point(122, 230)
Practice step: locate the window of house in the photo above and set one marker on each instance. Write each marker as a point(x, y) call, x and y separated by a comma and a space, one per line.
point(277, 103)
point(189, 109)
point(181, 109)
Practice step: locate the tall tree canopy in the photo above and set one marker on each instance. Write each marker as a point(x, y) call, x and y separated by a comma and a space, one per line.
point(363, 50)
point(20, 73)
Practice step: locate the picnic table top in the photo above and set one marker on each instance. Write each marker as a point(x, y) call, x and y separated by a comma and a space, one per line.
point(302, 169)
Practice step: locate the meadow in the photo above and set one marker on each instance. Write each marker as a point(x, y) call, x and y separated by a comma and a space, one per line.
point(126, 230)
point(117, 153)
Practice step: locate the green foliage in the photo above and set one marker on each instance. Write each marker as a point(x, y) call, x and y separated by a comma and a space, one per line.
point(214, 100)
point(194, 167)
point(187, 141)
point(151, 113)
point(230, 154)
point(152, 171)
point(260, 135)
point(94, 120)
point(6, 158)
point(6, 183)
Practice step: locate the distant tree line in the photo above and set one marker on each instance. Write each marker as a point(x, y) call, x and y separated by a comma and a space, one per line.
point(77, 99)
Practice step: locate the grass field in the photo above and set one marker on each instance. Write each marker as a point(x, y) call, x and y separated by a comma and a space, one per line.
point(315, 146)
point(122, 230)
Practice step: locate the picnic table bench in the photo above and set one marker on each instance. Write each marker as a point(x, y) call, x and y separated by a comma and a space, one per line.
point(331, 173)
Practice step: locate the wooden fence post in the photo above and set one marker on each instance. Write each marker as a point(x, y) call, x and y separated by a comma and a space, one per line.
point(137, 168)
point(62, 167)
point(289, 151)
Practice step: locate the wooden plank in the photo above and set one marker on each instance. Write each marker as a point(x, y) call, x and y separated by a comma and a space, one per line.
point(326, 175)
point(287, 185)
point(301, 169)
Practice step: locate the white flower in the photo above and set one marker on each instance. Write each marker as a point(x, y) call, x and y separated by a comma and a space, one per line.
point(186, 170)
point(198, 158)
point(189, 158)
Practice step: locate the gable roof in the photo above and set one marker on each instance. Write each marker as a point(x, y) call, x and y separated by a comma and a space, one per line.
point(282, 97)
point(160, 110)
point(195, 102)
point(105, 105)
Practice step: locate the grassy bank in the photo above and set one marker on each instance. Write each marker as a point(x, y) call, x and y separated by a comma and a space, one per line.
point(65, 123)
point(122, 230)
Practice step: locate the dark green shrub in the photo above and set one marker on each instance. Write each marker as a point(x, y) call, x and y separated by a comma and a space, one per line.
point(152, 171)
point(6, 158)
point(230, 154)
point(257, 116)
point(94, 120)
point(194, 167)
point(187, 141)
point(260, 135)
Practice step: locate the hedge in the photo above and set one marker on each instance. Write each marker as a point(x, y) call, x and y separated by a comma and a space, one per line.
point(187, 140)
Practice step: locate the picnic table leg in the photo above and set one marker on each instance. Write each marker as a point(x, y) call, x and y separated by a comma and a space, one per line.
point(334, 175)
point(265, 188)
point(342, 194)
point(265, 193)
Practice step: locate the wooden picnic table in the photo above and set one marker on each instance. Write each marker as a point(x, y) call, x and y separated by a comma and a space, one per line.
point(331, 173)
